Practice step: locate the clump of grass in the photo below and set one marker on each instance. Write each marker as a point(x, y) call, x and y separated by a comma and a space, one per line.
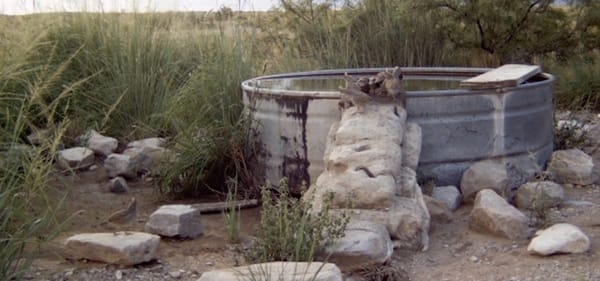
point(27, 216)
point(540, 209)
point(569, 134)
point(231, 217)
point(212, 129)
point(578, 82)
point(289, 231)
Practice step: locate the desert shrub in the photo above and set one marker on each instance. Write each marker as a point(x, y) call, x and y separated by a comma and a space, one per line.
point(364, 33)
point(569, 134)
point(289, 231)
point(578, 82)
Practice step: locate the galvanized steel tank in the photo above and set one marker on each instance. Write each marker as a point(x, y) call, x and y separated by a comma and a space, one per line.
point(293, 113)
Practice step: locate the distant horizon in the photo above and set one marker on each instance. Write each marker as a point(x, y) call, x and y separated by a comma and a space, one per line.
point(23, 7)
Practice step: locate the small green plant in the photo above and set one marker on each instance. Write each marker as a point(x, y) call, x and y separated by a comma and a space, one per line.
point(289, 231)
point(540, 209)
point(231, 217)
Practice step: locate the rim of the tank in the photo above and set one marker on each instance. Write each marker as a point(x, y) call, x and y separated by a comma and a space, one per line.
point(432, 73)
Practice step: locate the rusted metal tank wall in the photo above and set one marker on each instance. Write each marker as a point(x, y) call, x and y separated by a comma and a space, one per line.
point(459, 126)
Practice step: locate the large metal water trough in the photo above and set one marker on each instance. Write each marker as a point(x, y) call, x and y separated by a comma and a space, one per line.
point(293, 113)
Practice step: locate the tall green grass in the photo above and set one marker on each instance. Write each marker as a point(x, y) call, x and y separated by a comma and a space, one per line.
point(26, 212)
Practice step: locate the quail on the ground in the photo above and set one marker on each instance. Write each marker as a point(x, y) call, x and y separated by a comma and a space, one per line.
point(125, 216)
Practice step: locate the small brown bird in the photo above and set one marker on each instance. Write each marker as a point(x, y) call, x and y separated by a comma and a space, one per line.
point(124, 216)
point(358, 98)
point(393, 86)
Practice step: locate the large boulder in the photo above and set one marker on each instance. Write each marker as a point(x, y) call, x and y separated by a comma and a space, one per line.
point(542, 194)
point(122, 248)
point(100, 144)
point(277, 271)
point(487, 174)
point(449, 195)
point(492, 214)
point(572, 166)
point(559, 238)
point(356, 189)
point(175, 220)
point(364, 244)
point(75, 158)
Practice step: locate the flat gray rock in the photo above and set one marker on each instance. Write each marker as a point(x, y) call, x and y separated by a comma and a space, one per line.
point(75, 158)
point(123, 248)
point(449, 195)
point(560, 238)
point(175, 220)
point(492, 214)
point(364, 244)
point(277, 271)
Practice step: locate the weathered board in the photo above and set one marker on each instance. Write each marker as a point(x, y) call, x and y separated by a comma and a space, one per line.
point(508, 75)
point(225, 206)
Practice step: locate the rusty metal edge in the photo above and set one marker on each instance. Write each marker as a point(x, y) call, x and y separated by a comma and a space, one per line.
point(434, 73)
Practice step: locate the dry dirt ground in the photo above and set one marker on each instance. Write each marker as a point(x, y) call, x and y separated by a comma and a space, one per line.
point(455, 253)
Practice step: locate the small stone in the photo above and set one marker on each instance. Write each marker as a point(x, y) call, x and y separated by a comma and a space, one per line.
point(119, 275)
point(176, 274)
point(210, 263)
point(94, 167)
point(175, 220)
point(474, 259)
point(449, 195)
point(118, 185)
point(75, 158)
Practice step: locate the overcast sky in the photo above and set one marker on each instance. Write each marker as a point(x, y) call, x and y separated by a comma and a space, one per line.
point(14, 7)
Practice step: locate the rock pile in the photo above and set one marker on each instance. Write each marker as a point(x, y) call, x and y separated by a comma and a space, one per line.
point(370, 157)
